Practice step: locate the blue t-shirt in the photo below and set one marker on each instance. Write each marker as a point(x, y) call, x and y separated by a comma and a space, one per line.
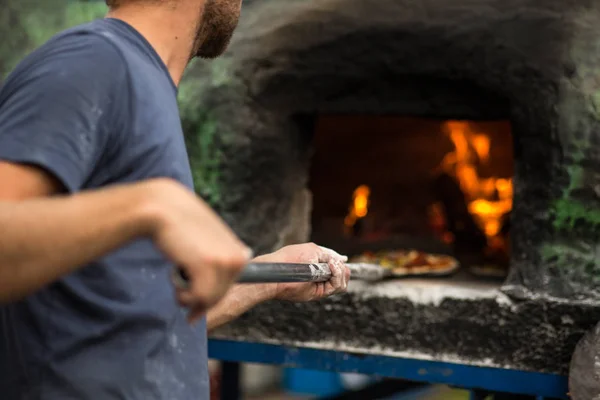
point(96, 106)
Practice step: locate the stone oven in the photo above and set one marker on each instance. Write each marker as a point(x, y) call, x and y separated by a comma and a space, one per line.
point(308, 95)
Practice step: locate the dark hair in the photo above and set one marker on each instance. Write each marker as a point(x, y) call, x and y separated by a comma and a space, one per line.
point(114, 3)
point(119, 3)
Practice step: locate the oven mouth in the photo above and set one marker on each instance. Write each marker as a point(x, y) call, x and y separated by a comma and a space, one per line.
point(421, 196)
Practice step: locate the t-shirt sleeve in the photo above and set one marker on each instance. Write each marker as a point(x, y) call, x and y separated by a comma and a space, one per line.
point(61, 105)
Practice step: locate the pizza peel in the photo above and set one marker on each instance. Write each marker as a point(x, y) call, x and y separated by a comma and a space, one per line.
point(290, 272)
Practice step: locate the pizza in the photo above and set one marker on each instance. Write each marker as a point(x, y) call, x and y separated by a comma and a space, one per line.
point(410, 262)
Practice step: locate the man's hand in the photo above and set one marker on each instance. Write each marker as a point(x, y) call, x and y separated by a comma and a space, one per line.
point(310, 253)
point(243, 297)
point(196, 240)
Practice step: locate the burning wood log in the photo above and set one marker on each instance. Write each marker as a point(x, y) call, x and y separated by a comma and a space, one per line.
point(468, 237)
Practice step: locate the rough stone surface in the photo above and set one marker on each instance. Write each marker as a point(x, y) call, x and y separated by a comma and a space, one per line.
point(535, 62)
point(298, 228)
point(427, 320)
point(584, 372)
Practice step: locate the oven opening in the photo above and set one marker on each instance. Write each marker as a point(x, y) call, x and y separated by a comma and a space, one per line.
point(421, 196)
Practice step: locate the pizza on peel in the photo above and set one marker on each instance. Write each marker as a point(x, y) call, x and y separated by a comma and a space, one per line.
point(410, 262)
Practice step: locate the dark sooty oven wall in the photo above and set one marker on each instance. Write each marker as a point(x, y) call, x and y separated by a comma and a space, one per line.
point(534, 62)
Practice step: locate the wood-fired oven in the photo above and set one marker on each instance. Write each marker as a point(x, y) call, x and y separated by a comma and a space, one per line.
point(316, 101)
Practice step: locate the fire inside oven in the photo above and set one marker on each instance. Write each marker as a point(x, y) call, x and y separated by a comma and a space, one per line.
point(388, 185)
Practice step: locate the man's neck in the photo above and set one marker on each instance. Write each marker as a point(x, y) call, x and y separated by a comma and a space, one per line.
point(169, 27)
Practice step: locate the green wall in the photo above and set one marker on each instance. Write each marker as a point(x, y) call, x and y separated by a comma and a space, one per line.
point(26, 24)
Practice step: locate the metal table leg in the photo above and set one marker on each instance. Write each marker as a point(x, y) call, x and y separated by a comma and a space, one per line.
point(478, 395)
point(230, 381)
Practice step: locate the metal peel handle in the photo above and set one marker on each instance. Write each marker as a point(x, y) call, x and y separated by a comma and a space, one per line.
point(284, 272)
point(269, 273)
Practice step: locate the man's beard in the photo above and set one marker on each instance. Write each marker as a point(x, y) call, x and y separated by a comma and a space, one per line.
point(216, 28)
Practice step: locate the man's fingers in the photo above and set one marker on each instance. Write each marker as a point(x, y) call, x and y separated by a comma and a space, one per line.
point(195, 314)
point(347, 275)
point(339, 272)
point(206, 285)
point(337, 275)
point(207, 282)
point(230, 259)
point(333, 254)
point(190, 299)
point(184, 297)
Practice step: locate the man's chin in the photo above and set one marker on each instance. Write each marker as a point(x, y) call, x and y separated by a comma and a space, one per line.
point(211, 55)
point(212, 52)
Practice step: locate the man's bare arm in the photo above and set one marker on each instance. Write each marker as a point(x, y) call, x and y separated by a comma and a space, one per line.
point(42, 239)
point(44, 236)
point(238, 300)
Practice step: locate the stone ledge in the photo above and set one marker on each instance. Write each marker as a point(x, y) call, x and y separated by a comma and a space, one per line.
point(446, 320)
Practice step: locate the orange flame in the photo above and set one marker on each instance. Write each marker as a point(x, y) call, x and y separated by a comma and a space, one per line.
point(489, 199)
point(360, 205)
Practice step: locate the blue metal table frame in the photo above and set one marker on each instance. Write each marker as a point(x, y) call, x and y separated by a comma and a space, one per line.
point(486, 379)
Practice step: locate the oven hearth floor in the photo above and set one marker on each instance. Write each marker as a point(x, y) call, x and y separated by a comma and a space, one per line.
point(432, 290)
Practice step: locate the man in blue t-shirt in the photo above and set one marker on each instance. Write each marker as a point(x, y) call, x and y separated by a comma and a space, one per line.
point(97, 207)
